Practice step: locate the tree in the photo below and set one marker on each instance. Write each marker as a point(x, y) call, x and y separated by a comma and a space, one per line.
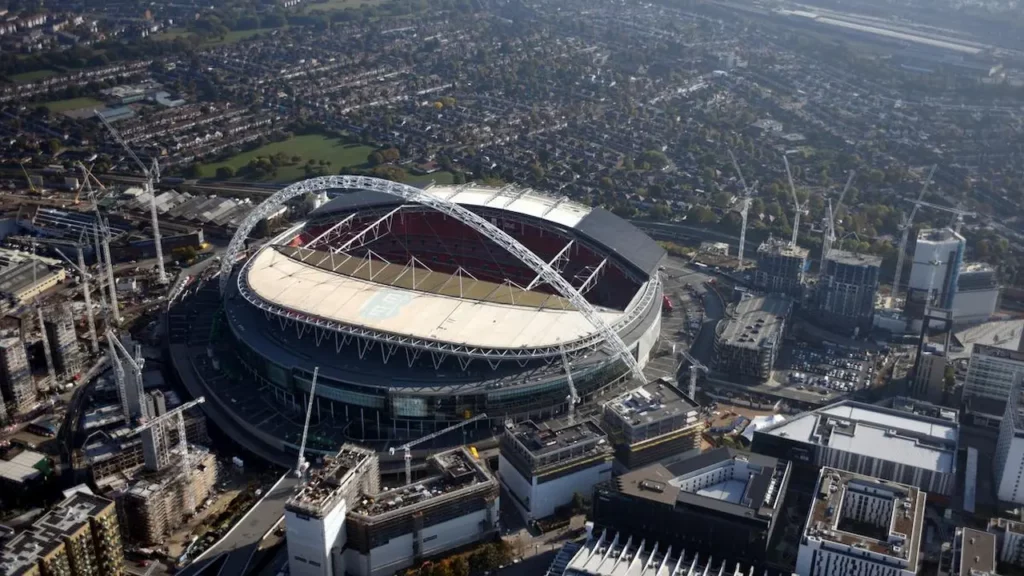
point(460, 566)
point(53, 146)
point(184, 254)
point(654, 159)
point(225, 172)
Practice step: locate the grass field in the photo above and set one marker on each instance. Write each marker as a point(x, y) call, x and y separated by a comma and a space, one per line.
point(229, 38)
point(309, 147)
point(72, 104)
point(335, 5)
point(436, 177)
point(26, 77)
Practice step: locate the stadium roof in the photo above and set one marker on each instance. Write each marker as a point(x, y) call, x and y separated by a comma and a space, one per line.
point(303, 288)
point(614, 234)
point(919, 441)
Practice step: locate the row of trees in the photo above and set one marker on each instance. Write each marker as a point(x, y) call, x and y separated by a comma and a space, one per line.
point(480, 561)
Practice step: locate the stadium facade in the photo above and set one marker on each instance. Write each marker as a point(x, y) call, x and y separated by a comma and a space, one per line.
point(417, 320)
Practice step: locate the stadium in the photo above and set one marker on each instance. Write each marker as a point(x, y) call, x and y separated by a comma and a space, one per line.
point(422, 308)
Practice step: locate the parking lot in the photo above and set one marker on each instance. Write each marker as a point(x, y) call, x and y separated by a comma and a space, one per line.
point(828, 371)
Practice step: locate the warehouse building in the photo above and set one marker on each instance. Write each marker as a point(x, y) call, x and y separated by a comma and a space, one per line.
point(543, 466)
point(861, 525)
point(652, 422)
point(723, 503)
point(894, 445)
point(20, 283)
point(748, 341)
point(781, 268)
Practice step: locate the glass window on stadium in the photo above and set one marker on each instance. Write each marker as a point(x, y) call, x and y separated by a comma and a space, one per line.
point(331, 389)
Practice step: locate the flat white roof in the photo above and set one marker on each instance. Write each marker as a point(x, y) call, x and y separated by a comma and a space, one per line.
point(559, 210)
point(877, 443)
point(306, 289)
point(892, 421)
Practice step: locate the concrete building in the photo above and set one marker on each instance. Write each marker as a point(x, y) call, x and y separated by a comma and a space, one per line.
point(1009, 456)
point(1009, 540)
point(846, 291)
point(991, 374)
point(781, 268)
point(543, 466)
point(929, 380)
point(609, 553)
point(891, 444)
point(652, 422)
point(723, 503)
point(977, 294)
point(973, 553)
point(938, 256)
point(340, 522)
point(15, 376)
point(60, 332)
point(748, 341)
point(78, 537)
point(156, 504)
point(156, 404)
point(861, 525)
point(21, 282)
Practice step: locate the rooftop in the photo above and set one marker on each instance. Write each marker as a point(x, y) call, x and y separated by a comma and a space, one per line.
point(977, 551)
point(325, 486)
point(281, 280)
point(22, 553)
point(451, 471)
point(938, 235)
point(778, 247)
point(756, 321)
point(21, 276)
point(895, 532)
point(854, 259)
point(552, 436)
point(651, 402)
point(24, 466)
point(68, 517)
point(884, 433)
point(745, 484)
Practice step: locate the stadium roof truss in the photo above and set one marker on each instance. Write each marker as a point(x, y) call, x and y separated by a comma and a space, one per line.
point(366, 339)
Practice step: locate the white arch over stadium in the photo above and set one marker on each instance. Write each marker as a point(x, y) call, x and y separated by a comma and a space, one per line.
point(467, 217)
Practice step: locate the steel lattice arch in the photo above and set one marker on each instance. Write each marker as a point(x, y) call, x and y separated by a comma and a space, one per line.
point(436, 303)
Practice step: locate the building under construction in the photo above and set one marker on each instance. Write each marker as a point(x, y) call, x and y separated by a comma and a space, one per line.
point(748, 341)
point(60, 333)
point(781, 267)
point(157, 503)
point(19, 390)
point(652, 422)
point(373, 533)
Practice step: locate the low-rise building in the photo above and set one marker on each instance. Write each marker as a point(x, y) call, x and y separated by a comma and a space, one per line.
point(544, 466)
point(723, 503)
point(861, 525)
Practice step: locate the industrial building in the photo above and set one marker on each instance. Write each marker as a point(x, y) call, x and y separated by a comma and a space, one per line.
point(21, 282)
point(652, 422)
point(19, 390)
point(930, 376)
point(891, 444)
point(861, 525)
point(977, 294)
point(64, 349)
point(78, 537)
point(723, 503)
point(748, 340)
point(609, 553)
point(1009, 540)
point(342, 523)
point(846, 291)
point(781, 267)
point(991, 373)
point(973, 553)
point(543, 466)
point(155, 504)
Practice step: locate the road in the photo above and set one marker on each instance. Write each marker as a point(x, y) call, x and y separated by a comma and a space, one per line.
point(235, 550)
point(70, 424)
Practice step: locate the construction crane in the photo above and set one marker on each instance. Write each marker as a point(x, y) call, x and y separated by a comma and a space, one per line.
point(86, 292)
point(185, 465)
point(152, 175)
point(87, 179)
point(958, 213)
point(744, 209)
point(28, 179)
point(695, 367)
point(830, 224)
point(47, 353)
point(407, 448)
point(301, 466)
point(798, 208)
point(905, 226)
point(573, 397)
point(136, 363)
